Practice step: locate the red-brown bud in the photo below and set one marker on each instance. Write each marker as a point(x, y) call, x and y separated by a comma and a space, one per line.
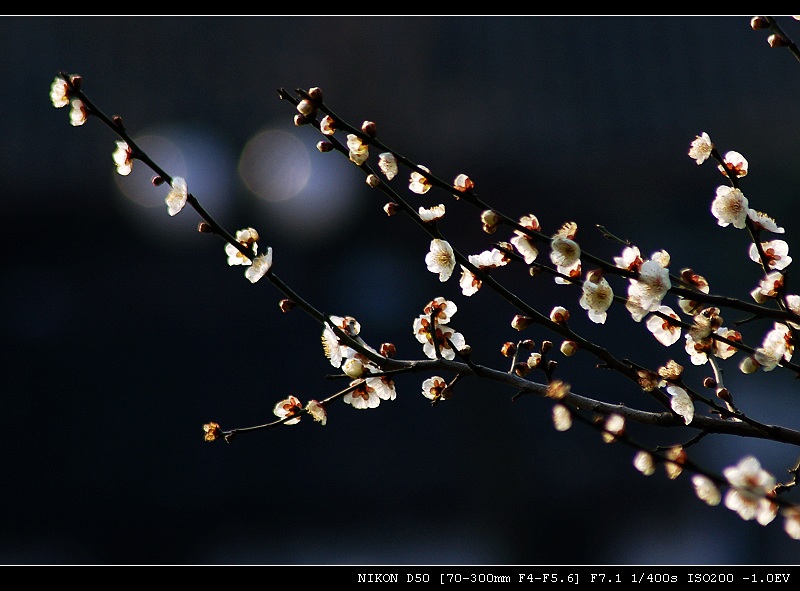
point(776, 40)
point(388, 350)
point(759, 22)
point(508, 349)
point(204, 228)
point(157, 180)
point(370, 128)
point(286, 304)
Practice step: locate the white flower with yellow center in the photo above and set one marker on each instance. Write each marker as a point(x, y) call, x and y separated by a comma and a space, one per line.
point(441, 259)
point(177, 196)
point(730, 207)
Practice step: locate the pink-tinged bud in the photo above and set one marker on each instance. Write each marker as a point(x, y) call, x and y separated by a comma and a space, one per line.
point(370, 128)
point(315, 93)
point(286, 304)
point(508, 349)
point(520, 322)
point(204, 228)
point(388, 350)
point(776, 40)
point(759, 22)
point(157, 180)
point(324, 146)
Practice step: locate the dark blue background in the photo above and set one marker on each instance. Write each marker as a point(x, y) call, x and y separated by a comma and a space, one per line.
point(124, 331)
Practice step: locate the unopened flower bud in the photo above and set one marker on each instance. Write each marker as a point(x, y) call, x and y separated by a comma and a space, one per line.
point(569, 348)
point(521, 369)
point(204, 228)
point(551, 366)
point(157, 180)
point(527, 344)
point(306, 107)
point(759, 22)
point(373, 180)
point(546, 346)
point(520, 322)
point(508, 349)
point(724, 395)
point(391, 208)
point(388, 350)
point(315, 93)
point(710, 382)
point(76, 80)
point(559, 315)
point(534, 360)
point(748, 365)
point(490, 217)
point(286, 304)
point(353, 368)
point(463, 183)
point(300, 120)
point(776, 40)
point(117, 121)
point(324, 146)
point(370, 128)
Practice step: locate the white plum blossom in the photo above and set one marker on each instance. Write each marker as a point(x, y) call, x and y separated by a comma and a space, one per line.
point(614, 427)
point(525, 245)
point(769, 287)
point(469, 283)
point(441, 309)
point(489, 259)
point(177, 196)
point(775, 251)
point(631, 259)
point(59, 92)
point(706, 490)
point(387, 162)
point(431, 214)
point(247, 237)
point(441, 334)
point(764, 222)
point(123, 158)
point(750, 485)
point(665, 332)
point(261, 265)
point(643, 462)
point(596, 296)
point(433, 388)
point(362, 396)
point(653, 283)
point(730, 207)
point(564, 252)
point(289, 407)
point(418, 183)
point(701, 148)
point(317, 412)
point(736, 164)
point(441, 259)
point(791, 523)
point(681, 403)
point(774, 348)
point(78, 114)
point(562, 417)
point(358, 150)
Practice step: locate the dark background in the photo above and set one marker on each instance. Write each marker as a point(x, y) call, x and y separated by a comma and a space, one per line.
point(125, 331)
